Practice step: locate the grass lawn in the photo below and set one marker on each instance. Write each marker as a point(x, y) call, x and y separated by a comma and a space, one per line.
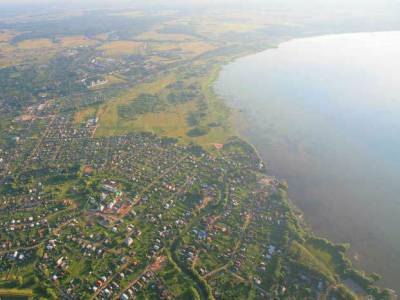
point(109, 121)
point(85, 114)
point(171, 119)
point(306, 257)
point(171, 123)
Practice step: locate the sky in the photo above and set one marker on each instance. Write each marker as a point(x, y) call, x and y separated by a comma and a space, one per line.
point(348, 3)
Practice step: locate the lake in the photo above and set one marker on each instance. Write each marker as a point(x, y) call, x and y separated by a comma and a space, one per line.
point(324, 113)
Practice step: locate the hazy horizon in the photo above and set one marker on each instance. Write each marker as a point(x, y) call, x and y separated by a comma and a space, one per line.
point(360, 4)
point(362, 11)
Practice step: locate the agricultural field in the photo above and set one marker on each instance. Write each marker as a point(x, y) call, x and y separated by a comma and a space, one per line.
point(75, 41)
point(163, 37)
point(35, 44)
point(119, 48)
point(189, 48)
point(6, 36)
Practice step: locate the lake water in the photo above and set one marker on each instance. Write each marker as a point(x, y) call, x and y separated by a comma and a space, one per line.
point(324, 112)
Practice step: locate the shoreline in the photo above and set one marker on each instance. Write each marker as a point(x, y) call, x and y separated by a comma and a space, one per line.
point(237, 122)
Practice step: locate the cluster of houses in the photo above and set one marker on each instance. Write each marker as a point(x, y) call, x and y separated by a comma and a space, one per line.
point(91, 83)
point(151, 189)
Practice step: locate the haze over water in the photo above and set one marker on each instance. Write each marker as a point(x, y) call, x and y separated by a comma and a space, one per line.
point(324, 113)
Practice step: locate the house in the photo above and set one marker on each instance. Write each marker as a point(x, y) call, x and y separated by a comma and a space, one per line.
point(60, 261)
point(111, 204)
point(124, 297)
point(202, 235)
point(110, 187)
point(92, 122)
point(103, 196)
point(128, 241)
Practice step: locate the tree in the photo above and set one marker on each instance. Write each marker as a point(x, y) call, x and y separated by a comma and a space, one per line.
point(51, 293)
point(375, 277)
point(20, 281)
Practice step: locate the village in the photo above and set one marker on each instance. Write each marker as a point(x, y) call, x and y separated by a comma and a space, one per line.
point(126, 216)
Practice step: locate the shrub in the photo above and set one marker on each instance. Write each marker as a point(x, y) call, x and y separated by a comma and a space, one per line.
point(197, 131)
